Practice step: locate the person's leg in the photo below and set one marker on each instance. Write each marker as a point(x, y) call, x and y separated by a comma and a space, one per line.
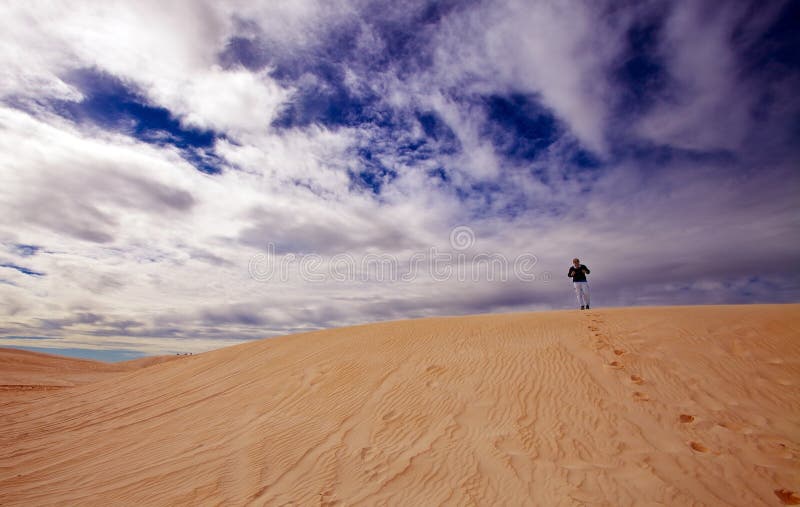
point(584, 295)
point(580, 291)
point(577, 286)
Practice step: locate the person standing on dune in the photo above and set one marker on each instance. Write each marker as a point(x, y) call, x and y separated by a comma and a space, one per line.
point(578, 274)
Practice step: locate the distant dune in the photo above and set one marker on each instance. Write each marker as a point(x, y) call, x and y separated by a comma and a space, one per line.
point(24, 369)
point(34, 369)
point(637, 406)
point(25, 374)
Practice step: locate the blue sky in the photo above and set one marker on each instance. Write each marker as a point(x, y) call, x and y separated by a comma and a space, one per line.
point(149, 152)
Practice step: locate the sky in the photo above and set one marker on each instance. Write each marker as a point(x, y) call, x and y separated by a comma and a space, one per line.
point(181, 176)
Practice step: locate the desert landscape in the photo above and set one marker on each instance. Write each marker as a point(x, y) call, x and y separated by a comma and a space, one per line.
point(628, 406)
point(414, 253)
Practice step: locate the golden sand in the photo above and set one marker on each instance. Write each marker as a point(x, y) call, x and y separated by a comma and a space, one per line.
point(632, 406)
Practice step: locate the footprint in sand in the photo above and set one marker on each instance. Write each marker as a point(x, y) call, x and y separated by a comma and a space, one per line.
point(640, 396)
point(698, 447)
point(686, 418)
point(616, 365)
point(364, 452)
point(730, 426)
point(324, 501)
point(619, 352)
point(787, 497)
point(778, 447)
point(435, 369)
point(636, 379)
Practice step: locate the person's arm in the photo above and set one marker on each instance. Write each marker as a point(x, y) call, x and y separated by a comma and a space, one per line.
point(571, 272)
point(585, 270)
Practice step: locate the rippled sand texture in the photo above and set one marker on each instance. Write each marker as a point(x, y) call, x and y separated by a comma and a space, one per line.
point(639, 406)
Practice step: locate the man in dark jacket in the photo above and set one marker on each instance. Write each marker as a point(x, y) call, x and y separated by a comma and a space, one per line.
point(578, 274)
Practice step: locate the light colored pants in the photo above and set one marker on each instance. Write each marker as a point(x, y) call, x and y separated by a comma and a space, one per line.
point(582, 292)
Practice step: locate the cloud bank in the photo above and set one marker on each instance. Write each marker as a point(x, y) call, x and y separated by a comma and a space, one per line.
point(149, 152)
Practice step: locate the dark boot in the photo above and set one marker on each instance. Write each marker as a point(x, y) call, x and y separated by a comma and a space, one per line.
point(582, 307)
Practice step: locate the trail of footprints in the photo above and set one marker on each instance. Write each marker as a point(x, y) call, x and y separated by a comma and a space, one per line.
point(602, 342)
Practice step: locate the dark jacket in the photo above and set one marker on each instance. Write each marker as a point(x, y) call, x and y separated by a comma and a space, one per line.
point(578, 274)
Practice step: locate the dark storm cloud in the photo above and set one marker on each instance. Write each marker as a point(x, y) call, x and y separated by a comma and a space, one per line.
point(78, 318)
point(245, 314)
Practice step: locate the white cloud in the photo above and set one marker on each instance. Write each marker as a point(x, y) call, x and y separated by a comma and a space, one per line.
point(233, 101)
point(562, 52)
point(169, 51)
point(712, 97)
point(558, 51)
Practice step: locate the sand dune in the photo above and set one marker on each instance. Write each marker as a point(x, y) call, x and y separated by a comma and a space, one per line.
point(144, 362)
point(24, 374)
point(649, 406)
point(33, 370)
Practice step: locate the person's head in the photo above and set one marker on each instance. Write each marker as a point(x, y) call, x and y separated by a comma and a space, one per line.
point(576, 262)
